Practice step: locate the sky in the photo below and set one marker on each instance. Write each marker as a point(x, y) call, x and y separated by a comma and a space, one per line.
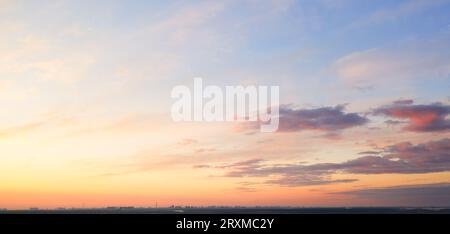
point(85, 96)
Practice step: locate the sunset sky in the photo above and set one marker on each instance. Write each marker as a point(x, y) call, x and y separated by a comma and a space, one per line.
point(85, 103)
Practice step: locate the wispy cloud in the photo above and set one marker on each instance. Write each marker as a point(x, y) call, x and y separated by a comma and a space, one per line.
point(179, 28)
point(414, 59)
point(133, 122)
point(25, 128)
point(288, 175)
point(402, 10)
point(187, 141)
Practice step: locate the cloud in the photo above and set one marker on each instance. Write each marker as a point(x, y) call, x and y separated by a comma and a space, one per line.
point(403, 102)
point(421, 118)
point(38, 55)
point(415, 59)
point(131, 123)
point(181, 27)
point(325, 119)
point(68, 68)
point(4, 4)
point(204, 150)
point(370, 152)
point(305, 180)
point(244, 164)
point(402, 158)
point(328, 119)
point(394, 122)
point(413, 195)
point(403, 10)
point(246, 189)
point(286, 175)
point(25, 128)
point(187, 141)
